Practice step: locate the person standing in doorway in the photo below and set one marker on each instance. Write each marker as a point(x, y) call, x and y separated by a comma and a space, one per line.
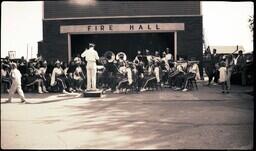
point(16, 84)
point(91, 55)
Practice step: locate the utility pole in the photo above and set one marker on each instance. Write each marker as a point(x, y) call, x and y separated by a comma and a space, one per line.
point(27, 52)
point(31, 52)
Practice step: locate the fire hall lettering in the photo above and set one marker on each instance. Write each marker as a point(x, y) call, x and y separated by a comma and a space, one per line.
point(123, 28)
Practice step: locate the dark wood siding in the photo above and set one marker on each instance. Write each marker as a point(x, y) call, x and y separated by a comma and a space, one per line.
point(189, 42)
point(68, 9)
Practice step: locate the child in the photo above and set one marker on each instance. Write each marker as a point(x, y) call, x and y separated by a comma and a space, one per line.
point(16, 84)
point(223, 77)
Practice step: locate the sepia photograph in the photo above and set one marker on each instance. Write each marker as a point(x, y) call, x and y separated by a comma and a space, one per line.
point(94, 74)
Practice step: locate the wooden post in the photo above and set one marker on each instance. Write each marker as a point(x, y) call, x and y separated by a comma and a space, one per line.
point(69, 48)
point(175, 46)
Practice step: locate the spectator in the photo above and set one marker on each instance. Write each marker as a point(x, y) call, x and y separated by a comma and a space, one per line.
point(240, 63)
point(5, 77)
point(216, 59)
point(208, 65)
point(230, 65)
point(223, 77)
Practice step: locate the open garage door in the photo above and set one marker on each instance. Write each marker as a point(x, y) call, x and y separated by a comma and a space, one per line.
point(128, 43)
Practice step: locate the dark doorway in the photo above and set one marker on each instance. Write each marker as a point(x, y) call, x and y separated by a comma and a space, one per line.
point(128, 43)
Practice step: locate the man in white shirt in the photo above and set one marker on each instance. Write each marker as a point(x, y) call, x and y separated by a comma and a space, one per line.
point(168, 56)
point(77, 58)
point(91, 55)
point(16, 84)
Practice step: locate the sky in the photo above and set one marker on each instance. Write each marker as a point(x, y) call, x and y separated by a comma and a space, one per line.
point(224, 23)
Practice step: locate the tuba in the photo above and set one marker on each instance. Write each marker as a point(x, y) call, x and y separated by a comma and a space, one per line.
point(121, 56)
point(110, 56)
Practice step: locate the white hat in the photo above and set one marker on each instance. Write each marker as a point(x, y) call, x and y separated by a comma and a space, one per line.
point(13, 64)
point(78, 61)
point(91, 44)
point(57, 62)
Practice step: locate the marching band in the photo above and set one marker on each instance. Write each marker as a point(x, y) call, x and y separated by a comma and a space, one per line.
point(111, 72)
point(145, 72)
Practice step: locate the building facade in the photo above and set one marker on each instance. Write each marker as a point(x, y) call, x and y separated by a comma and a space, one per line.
point(128, 26)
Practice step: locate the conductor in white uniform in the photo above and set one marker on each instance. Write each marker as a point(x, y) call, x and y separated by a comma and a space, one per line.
point(91, 55)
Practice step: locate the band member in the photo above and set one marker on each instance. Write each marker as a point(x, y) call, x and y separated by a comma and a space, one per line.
point(37, 77)
point(16, 84)
point(149, 80)
point(49, 68)
point(173, 72)
point(91, 55)
point(120, 58)
point(157, 57)
point(193, 72)
point(127, 78)
point(148, 59)
point(157, 73)
point(32, 80)
point(77, 58)
point(109, 74)
point(69, 70)
point(139, 70)
point(164, 68)
point(139, 55)
point(169, 56)
point(5, 77)
point(178, 80)
point(78, 77)
point(165, 61)
point(58, 78)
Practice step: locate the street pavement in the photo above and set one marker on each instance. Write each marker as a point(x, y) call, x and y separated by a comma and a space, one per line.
point(163, 119)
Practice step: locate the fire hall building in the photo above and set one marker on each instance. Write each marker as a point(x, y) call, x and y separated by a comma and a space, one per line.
point(127, 26)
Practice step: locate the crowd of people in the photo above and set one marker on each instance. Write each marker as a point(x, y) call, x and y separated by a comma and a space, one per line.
point(221, 67)
point(117, 74)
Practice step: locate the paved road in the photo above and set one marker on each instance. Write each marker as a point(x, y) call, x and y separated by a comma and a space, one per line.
point(203, 119)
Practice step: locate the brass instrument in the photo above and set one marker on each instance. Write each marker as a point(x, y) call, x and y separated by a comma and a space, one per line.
point(121, 56)
point(110, 56)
